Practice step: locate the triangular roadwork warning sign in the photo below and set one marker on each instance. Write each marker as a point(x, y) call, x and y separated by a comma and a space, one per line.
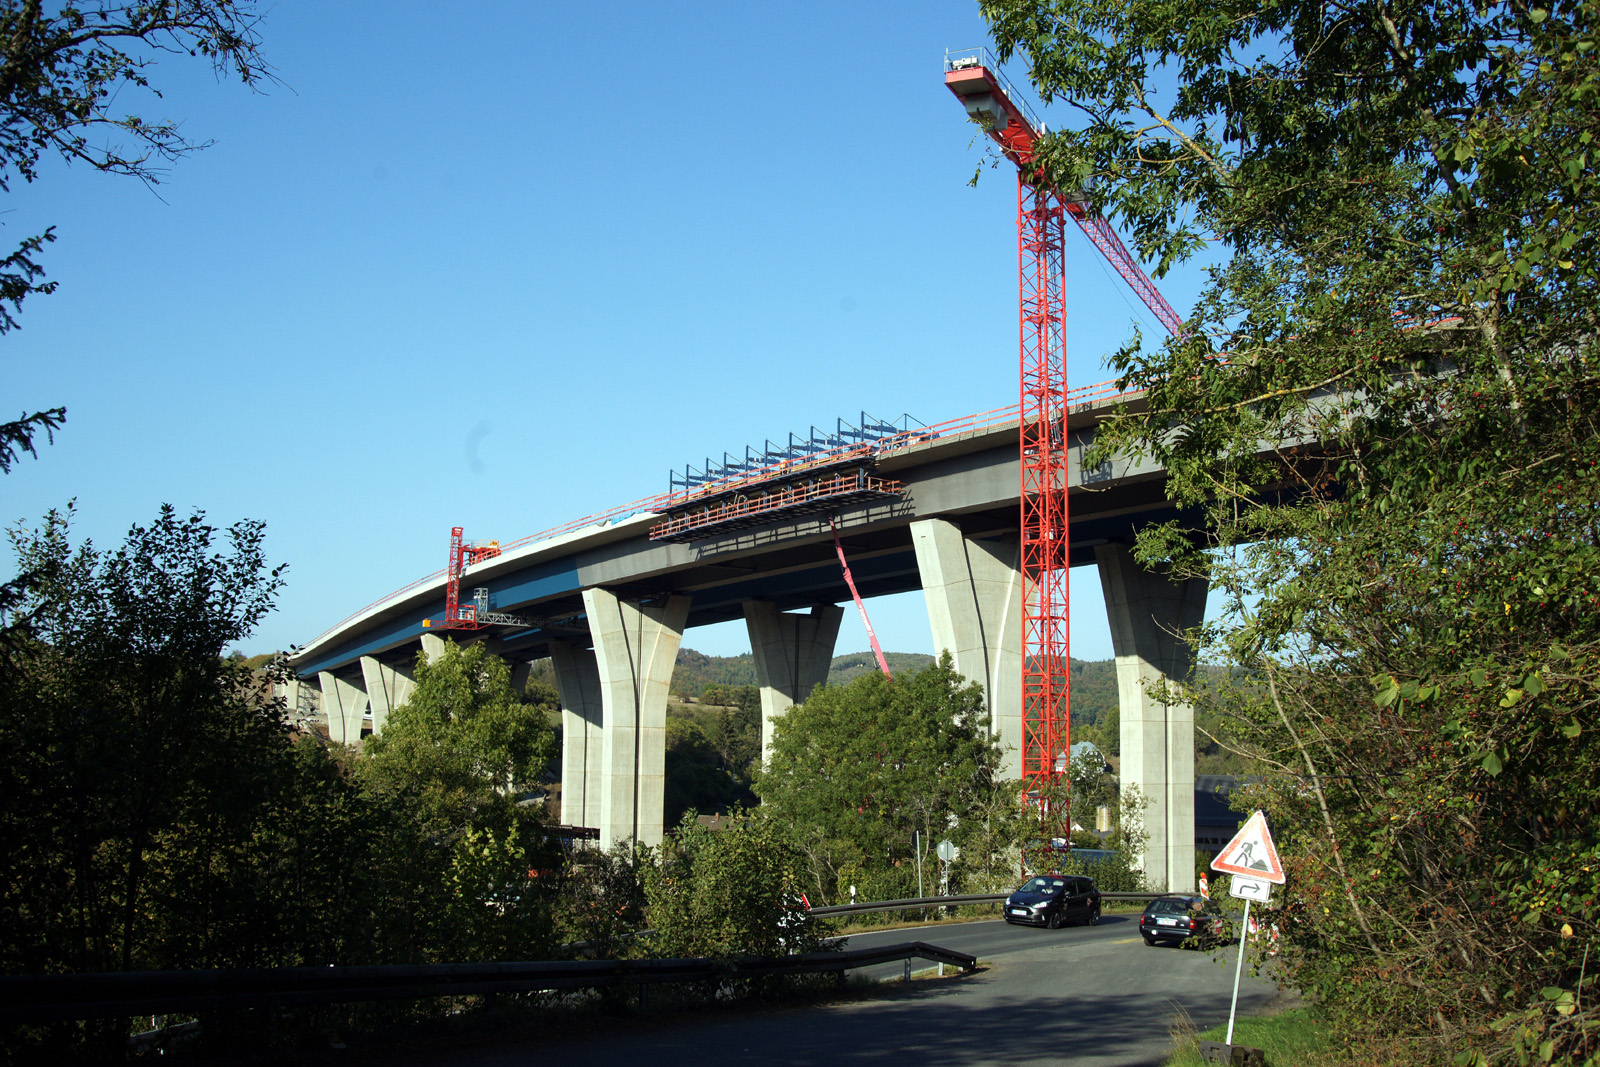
point(1251, 852)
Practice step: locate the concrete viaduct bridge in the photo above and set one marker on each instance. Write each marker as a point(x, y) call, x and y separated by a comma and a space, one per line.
point(611, 597)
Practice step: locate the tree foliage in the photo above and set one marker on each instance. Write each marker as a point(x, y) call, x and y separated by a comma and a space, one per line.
point(464, 743)
point(1384, 404)
point(450, 765)
point(132, 748)
point(601, 901)
point(700, 775)
point(162, 814)
point(730, 892)
point(857, 768)
point(65, 73)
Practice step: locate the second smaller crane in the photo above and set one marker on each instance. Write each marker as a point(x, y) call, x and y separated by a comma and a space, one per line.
point(474, 616)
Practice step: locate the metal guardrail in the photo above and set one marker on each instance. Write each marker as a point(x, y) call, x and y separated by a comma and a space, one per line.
point(795, 498)
point(933, 902)
point(54, 997)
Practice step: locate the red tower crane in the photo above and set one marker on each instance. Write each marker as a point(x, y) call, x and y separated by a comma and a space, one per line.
point(1042, 211)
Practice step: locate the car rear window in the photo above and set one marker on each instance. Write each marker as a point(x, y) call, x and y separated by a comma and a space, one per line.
point(1168, 907)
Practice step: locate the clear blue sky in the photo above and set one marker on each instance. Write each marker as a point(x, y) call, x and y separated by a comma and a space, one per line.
point(504, 266)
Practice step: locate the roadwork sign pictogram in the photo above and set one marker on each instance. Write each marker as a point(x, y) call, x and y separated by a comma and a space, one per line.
point(1251, 852)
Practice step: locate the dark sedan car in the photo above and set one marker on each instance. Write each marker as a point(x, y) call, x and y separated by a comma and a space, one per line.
point(1053, 900)
point(1177, 918)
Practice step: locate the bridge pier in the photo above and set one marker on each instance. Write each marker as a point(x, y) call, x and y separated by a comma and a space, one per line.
point(974, 594)
point(302, 700)
point(387, 688)
point(1149, 612)
point(635, 647)
point(345, 705)
point(520, 673)
point(792, 655)
point(582, 732)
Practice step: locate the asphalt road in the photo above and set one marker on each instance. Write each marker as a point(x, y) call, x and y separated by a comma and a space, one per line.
point(1083, 996)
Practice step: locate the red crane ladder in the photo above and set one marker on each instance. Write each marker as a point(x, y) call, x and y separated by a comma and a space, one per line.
point(1046, 624)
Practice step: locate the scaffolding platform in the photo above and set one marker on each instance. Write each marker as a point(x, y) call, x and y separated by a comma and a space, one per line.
point(758, 507)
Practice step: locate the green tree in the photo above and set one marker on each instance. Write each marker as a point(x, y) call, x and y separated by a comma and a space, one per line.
point(65, 73)
point(450, 766)
point(132, 750)
point(1092, 787)
point(602, 901)
point(697, 774)
point(735, 730)
point(730, 892)
point(991, 836)
point(464, 743)
point(857, 768)
point(1384, 405)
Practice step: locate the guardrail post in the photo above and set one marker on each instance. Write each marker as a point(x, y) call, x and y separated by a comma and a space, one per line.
point(644, 996)
point(908, 969)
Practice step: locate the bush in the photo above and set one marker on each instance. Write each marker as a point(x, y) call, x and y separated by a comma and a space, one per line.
point(728, 893)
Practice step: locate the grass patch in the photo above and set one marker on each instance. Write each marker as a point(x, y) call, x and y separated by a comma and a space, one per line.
point(1295, 1038)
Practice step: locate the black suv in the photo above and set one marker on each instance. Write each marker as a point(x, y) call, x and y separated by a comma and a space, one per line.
point(1178, 918)
point(1053, 900)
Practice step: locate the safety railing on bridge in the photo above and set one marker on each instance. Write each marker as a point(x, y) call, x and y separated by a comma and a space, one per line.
point(763, 505)
point(965, 424)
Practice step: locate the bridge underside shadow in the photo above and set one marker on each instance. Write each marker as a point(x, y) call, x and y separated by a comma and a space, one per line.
point(610, 604)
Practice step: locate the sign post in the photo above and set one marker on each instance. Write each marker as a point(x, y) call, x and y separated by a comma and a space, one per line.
point(1253, 861)
point(947, 853)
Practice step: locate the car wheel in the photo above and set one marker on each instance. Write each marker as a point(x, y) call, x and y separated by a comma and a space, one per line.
point(1054, 921)
point(1150, 941)
point(1094, 917)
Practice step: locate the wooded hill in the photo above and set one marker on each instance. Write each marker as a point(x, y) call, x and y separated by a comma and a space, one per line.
point(1095, 714)
point(1094, 683)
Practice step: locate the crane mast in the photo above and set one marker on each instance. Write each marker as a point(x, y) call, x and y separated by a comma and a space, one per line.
point(1042, 211)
